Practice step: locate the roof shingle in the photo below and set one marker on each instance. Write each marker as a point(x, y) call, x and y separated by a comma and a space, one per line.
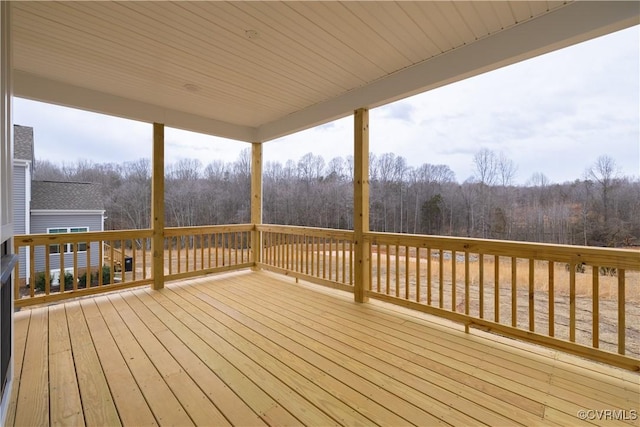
point(57, 195)
point(23, 142)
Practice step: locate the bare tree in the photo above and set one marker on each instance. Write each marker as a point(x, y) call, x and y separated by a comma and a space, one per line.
point(506, 170)
point(604, 172)
point(486, 167)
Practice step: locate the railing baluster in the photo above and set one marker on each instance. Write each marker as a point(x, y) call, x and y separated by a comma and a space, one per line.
point(61, 267)
point(481, 284)
point(417, 274)
point(532, 300)
point(388, 272)
point(350, 263)
point(170, 250)
point(466, 285)
point(216, 240)
point(378, 266)
point(397, 282)
point(314, 256)
point(496, 285)
point(324, 258)
point(441, 279)
point(552, 296)
point(454, 281)
point(514, 292)
point(621, 311)
point(32, 273)
point(235, 243)
point(297, 252)
point(331, 240)
point(276, 249)
point(344, 262)
point(595, 308)
point(201, 240)
point(75, 266)
point(306, 254)
point(406, 272)
point(122, 261)
point(187, 247)
point(287, 242)
point(572, 302)
point(370, 267)
point(429, 273)
point(144, 258)
point(208, 243)
point(47, 270)
point(133, 259)
point(179, 258)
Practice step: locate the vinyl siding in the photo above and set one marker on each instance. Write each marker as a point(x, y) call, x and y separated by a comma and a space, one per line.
point(19, 210)
point(40, 224)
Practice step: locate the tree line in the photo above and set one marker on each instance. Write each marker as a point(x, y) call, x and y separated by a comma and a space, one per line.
point(601, 208)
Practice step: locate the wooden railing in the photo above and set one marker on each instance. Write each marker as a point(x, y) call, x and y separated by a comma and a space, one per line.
point(53, 267)
point(319, 255)
point(194, 251)
point(579, 299)
point(113, 254)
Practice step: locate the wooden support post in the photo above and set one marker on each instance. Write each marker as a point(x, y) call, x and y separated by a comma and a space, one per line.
point(256, 200)
point(157, 206)
point(361, 202)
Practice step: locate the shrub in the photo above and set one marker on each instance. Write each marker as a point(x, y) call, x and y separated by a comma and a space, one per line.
point(608, 271)
point(106, 275)
point(580, 268)
point(40, 279)
point(39, 282)
point(106, 278)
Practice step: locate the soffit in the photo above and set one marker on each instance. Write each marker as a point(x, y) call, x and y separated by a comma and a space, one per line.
point(258, 70)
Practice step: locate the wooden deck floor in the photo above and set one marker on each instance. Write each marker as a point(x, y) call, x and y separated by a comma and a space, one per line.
point(254, 348)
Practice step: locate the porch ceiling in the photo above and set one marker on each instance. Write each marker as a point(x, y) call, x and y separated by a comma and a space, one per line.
point(255, 71)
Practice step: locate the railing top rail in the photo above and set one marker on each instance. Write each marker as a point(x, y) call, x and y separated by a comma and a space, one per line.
point(613, 257)
point(43, 239)
point(309, 231)
point(206, 229)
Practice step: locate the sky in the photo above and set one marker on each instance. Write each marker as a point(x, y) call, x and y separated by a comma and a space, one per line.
point(554, 114)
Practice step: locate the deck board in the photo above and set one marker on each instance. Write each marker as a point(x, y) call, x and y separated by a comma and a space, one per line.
point(32, 408)
point(91, 379)
point(380, 356)
point(66, 406)
point(255, 348)
point(127, 396)
point(22, 320)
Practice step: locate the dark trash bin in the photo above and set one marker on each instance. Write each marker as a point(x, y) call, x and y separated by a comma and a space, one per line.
point(128, 263)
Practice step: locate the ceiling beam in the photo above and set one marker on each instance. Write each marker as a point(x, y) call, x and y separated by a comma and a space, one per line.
point(571, 24)
point(30, 86)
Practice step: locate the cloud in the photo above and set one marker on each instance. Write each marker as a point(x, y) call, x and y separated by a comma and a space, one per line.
point(402, 111)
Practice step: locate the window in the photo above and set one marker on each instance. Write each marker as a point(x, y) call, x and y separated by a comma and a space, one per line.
point(68, 247)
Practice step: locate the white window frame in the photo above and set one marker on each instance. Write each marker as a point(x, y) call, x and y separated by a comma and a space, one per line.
point(68, 247)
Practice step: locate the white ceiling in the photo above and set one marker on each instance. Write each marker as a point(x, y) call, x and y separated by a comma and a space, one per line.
point(254, 71)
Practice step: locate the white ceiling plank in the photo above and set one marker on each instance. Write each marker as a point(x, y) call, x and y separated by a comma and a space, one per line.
point(311, 62)
point(572, 24)
point(33, 87)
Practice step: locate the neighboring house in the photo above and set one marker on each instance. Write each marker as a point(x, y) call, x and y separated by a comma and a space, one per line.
point(22, 177)
point(42, 207)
